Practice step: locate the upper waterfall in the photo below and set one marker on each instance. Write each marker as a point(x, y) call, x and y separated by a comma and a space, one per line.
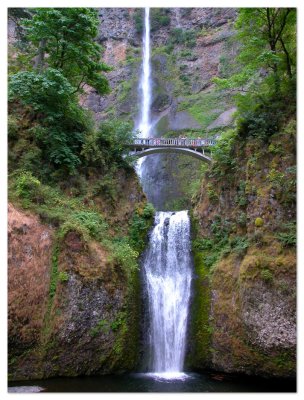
point(145, 81)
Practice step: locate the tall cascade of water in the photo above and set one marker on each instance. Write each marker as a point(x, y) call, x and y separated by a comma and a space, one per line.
point(167, 274)
point(144, 125)
point(167, 263)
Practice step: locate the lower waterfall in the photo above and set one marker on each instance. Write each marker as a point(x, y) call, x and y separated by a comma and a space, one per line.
point(167, 274)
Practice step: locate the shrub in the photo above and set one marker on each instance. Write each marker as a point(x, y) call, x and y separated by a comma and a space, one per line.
point(241, 197)
point(242, 219)
point(266, 275)
point(102, 326)
point(125, 256)
point(289, 235)
point(213, 196)
point(222, 154)
point(106, 147)
point(141, 223)
point(239, 244)
point(63, 276)
point(12, 127)
point(258, 222)
point(138, 19)
point(159, 17)
point(26, 185)
point(180, 36)
point(92, 221)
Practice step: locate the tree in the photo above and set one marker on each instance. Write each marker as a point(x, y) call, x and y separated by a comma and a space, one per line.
point(106, 147)
point(268, 49)
point(265, 81)
point(59, 122)
point(64, 40)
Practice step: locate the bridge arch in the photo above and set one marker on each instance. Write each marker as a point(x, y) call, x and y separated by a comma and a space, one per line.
point(156, 150)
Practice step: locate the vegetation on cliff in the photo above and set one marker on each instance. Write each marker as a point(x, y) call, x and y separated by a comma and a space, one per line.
point(73, 175)
point(246, 208)
point(75, 192)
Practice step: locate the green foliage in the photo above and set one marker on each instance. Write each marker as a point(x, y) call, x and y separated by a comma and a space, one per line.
point(119, 321)
point(239, 244)
point(88, 224)
point(107, 187)
point(212, 194)
point(159, 17)
point(61, 121)
point(268, 38)
point(106, 146)
point(205, 108)
point(139, 20)
point(102, 326)
point(124, 256)
point(266, 70)
point(63, 276)
point(258, 222)
point(277, 178)
point(66, 58)
point(266, 275)
point(259, 120)
point(67, 36)
point(41, 91)
point(288, 236)
point(92, 221)
point(241, 196)
point(201, 327)
point(12, 127)
point(222, 153)
point(54, 273)
point(141, 223)
point(242, 219)
point(183, 37)
point(26, 185)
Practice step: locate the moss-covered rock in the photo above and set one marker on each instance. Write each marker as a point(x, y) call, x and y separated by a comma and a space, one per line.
point(252, 276)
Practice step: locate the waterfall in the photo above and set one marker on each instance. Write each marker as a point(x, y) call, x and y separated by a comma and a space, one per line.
point(167, 274)
point(167, 261)
point(145, 81)
point(144, 124)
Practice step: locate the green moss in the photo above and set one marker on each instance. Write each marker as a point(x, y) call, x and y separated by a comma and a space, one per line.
point(205, 107)
point(200, 325)
point(140, 225)
point(54, 274)
point(102, 326)
point(201, 328)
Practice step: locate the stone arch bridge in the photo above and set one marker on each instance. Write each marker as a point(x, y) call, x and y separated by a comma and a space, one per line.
point(141, 147)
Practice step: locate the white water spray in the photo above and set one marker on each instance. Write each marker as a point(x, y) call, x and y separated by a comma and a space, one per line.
point(167, 271)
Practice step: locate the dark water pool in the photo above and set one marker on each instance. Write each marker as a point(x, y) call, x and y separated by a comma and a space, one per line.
point(192, 382)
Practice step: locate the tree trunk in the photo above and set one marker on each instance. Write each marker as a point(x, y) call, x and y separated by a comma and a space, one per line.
point(288, 61)
point(39, 59)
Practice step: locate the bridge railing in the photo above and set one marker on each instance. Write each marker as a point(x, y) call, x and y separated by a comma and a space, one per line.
point(174, 142)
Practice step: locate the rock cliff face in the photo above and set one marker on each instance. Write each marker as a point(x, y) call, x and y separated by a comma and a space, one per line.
point(252, 286)
point(243, 313)
point(187, 52)
point(73, 309)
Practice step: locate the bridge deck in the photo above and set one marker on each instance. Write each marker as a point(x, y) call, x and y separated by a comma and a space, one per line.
point(171, 142)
